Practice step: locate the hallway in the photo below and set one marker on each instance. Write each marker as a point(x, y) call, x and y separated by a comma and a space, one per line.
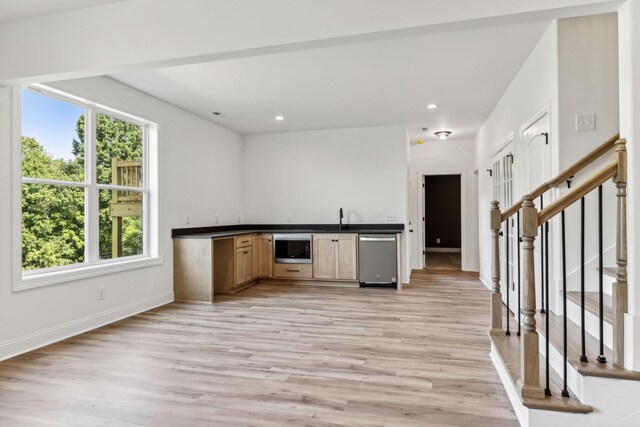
point(443, 261)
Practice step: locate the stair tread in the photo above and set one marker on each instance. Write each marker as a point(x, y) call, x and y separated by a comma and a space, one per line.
point(508, 348)
point(610, 271)
point(592, 304)
point(591, 368)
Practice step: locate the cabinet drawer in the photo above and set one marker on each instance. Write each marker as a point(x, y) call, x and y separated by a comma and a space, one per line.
point(293, 271)
point(243, 241)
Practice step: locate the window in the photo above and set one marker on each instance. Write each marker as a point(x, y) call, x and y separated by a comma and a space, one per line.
point(85, 192)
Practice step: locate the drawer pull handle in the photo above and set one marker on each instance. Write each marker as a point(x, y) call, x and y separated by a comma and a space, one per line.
point(244, 241)
point(245, 252)
point(293, 271)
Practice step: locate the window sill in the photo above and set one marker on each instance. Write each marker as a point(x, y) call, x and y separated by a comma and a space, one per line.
point(83, 272)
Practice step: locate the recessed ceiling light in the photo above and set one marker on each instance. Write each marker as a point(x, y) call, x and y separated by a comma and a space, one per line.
point(432, 106)
point(443, 134)
point(279, 118)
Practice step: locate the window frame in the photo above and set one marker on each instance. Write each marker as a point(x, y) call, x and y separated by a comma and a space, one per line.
point(92, 265)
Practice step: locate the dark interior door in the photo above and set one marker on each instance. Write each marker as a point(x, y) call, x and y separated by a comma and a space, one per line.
point(442, 211)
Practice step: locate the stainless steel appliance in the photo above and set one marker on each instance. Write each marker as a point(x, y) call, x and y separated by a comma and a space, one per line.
point(377, 258)
point(292, 248)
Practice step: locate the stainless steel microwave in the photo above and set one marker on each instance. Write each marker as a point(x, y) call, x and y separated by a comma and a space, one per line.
point(292, 248)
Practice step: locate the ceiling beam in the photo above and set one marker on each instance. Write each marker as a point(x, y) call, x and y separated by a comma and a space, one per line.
point(146, 34)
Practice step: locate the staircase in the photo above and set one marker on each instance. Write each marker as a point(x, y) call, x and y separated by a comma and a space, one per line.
point(563, 368)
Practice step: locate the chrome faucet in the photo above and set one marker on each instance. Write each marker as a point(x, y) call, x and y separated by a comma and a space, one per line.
point(341, 216)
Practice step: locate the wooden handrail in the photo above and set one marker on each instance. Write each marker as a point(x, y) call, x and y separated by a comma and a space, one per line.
point(578, 192)
point(565, 175)
point(508, 213)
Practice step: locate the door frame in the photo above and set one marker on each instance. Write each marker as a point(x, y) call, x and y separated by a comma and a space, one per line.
point(535, 118)
point(463, 213)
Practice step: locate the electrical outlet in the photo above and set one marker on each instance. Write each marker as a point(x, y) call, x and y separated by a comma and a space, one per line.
point(289, 218)
point(361, 218)
point(239, 219)
point(100, 294)
point(391, 218)
point(438, 241)
point(217, 219)
point(188, 219)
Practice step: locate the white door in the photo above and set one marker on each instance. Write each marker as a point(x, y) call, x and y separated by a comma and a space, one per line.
point(537, 153)
point(502, 174)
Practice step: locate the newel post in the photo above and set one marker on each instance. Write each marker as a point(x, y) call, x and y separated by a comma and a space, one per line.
point(620, 286)
point(496, 296)
point(529, 352)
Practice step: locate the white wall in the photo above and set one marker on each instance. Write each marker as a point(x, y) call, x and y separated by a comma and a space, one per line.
point(561, 73)
point(534, 87)
point(588, 86)
point(444, 157)
point(311, 175)
point(200, 165)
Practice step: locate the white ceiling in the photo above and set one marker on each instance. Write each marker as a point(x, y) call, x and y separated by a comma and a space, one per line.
point(15, 10)
point(378, 83)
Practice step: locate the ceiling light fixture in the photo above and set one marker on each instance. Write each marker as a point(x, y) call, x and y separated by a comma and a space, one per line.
point(443, 134)
point(279, 118)
point(432, 106)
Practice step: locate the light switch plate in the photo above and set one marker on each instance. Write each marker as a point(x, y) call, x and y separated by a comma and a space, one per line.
point(585, 122)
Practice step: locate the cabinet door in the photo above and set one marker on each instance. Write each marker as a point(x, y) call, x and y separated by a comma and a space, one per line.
point(266, 257)
point(244, 265)
point(257, 256)
point(248, 264)
point(347, 256)
point(324, 256)
point(262, 256)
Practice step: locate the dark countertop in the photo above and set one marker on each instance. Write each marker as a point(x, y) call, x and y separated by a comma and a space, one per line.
point(217, 232)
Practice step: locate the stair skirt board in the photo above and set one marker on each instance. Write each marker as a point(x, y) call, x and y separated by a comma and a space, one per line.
point(592, 323)
point(522, 412)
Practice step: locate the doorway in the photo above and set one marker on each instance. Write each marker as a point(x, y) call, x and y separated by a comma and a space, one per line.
point(443, 222)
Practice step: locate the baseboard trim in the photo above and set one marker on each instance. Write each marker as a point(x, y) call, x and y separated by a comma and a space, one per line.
point(58, 333)
point(451, 250)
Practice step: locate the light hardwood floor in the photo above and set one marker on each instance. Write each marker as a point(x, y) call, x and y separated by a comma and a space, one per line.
point(274, 355)
point(443, 261)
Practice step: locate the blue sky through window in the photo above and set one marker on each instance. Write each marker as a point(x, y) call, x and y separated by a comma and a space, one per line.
point(51, 122)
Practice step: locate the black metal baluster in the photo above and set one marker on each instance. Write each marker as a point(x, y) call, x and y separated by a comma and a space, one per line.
point(583, 356)
point(601, 357)
point(518, 240)
point(547, 390)
point(565, 392)
point(507, 273)
point(542, 251)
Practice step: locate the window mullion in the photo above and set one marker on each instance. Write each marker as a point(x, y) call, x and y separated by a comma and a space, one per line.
point(92, 236)
point(146, 236)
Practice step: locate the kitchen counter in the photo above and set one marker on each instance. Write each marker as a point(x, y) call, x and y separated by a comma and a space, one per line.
point(217, 232)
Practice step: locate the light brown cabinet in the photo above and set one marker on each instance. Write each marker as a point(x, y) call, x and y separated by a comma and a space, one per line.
point(263, 256)
point(335, 256)
point(244, 265)
point(293, 271)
